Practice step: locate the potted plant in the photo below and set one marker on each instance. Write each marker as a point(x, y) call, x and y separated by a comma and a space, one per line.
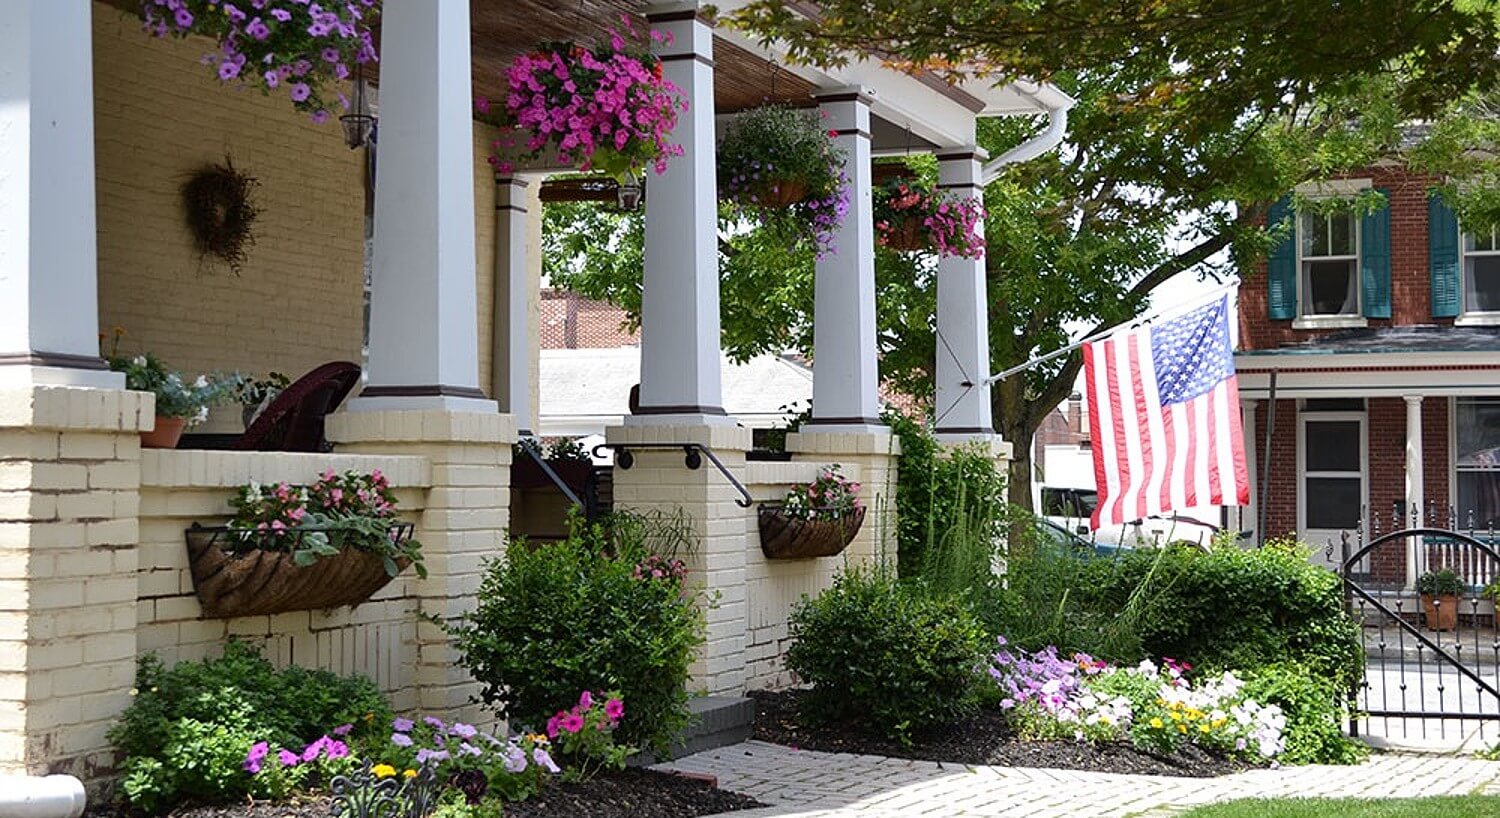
point(255, 394)
point(179, 402)
point(769, 445)
point(819, 519)
point(1440, 591)
point(290, 548)
point(287, 47)
point(913, 217)
point(607, 108)
point(567, 458)
point(779, 166)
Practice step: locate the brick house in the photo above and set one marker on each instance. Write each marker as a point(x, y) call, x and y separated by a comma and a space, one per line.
point(1379, 335)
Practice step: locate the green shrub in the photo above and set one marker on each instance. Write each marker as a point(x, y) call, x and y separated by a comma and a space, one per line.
point(188, 729)
point(890, 655)
point(1315, 711)
point(948, 501)
point(557, 619)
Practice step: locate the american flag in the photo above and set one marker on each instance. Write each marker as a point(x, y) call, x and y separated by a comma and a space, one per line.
point(1164, 418)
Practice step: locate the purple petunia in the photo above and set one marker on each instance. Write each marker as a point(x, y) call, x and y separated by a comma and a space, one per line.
point(343, 729)
point(463, 730)
point(401, 739)
point(287, 758)
point(300, 92)
point(403, 725)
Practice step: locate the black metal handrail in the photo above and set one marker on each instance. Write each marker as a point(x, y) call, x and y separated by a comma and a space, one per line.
point(692, 458)
point(529, 446)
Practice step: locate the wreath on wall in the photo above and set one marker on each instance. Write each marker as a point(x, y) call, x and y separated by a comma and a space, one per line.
point(217, 201)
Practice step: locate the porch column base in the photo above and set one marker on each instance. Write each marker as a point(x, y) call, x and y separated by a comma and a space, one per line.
point(658, 479)
point(70, 473)
point(464, 523)
point(23, 372)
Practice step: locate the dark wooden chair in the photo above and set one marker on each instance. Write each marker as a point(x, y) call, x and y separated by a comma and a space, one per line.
point(294, 420)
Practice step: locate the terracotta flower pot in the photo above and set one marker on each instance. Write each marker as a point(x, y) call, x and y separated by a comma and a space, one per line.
point(1441, 612)
point(166, 434)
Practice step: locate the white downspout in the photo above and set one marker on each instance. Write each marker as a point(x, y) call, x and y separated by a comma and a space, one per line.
point(1056, 105)
point(55, 796)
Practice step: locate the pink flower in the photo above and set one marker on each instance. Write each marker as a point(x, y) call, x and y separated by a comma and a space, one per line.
point(287, 758)
point(585, 700)
point(614, 709)
point(571, 723)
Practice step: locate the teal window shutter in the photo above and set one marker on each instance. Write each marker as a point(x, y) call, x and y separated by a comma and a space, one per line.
point(1281, 265)
point(1375, 259)
point(1442, 258)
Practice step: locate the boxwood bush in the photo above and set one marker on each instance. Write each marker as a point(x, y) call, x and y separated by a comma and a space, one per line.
point(587, 613)
point(889, 655)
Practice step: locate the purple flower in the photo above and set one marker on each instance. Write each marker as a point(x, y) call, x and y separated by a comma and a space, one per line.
point(287, 758)
point(585, 701)
point(281, 15)
point(541, 757)
point(337, 749)
point(469, 749)
point(300, 91)
point(435, 723)
point(401, 739)
point(258, 30)
point(403, 725)
point(312, 751)
point(463, 730)
point(424, 755)
point(184, 18)
point(319, 117)
point(273, 79)
point(228, 70)
point(330, 54)
point(343, 729)
point(515, 759)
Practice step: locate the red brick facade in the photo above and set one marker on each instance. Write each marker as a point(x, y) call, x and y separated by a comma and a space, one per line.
point(1410, 278)
point(570, 321)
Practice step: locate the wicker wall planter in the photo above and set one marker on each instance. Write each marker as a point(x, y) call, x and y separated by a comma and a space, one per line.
point(253, 583)
point(790, 538)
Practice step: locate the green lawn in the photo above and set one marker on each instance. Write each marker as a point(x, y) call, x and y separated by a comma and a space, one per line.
point(1465, 806)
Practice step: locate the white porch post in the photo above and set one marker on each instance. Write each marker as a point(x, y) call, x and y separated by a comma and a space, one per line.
point(511, 385)
point(1416, 557)
point(680, 295)
point(963, 350)
point(1249, 514)
point(424, 333)
point(49, 302)
point(845, 375)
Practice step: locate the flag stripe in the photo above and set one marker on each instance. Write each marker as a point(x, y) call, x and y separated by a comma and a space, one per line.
point(1122, 389)
point(1102, 427)
point(1157, 454)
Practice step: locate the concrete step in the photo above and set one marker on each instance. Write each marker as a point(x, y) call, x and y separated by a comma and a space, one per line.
point(718, 721)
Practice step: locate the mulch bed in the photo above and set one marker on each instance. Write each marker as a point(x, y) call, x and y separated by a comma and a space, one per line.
point(983, 739)
point(630, 793)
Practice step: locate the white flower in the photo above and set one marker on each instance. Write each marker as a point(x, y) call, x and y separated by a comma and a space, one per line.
point(201, 383)
point(139, 360)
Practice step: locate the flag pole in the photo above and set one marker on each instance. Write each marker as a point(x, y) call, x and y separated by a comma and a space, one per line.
point(1111, 330)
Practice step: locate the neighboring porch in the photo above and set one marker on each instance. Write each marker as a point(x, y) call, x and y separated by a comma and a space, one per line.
point(429, 279)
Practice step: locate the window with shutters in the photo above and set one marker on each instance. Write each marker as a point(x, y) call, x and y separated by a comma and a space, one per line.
point(1328, 264)
point(1481, 272)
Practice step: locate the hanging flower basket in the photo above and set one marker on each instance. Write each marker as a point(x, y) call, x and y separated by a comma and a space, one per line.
point(778, 166)
point(784, 537)
point(290, 47)
point(915, 218)
point(607, 108)
point(231, 581)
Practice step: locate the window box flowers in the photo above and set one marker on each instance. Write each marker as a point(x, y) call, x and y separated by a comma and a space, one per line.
point(911, 218)
point(819, 519)
point(779, 166)
point(292, 548)
point(179, 402)
point(607, 108)
point(290, 47)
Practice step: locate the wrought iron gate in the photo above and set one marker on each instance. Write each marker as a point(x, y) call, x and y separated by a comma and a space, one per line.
point(1422, 683)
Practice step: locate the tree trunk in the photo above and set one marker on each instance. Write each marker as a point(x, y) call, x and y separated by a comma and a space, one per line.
point(1017, 421)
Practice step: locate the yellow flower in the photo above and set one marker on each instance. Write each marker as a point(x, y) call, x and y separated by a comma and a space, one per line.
point(369, 716)
point(1182, 728)
point(1156, 722)
point(1176, 716)
point(539, 738)
point(383, 770)
point(410, 773)
point(1203, 728)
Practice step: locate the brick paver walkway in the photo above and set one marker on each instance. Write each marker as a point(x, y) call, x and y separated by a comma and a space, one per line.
point(810, 784)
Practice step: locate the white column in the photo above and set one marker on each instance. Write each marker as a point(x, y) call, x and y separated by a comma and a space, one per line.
point(1416, 558)
point(680, 295)
point(962, 405)
point(845, 374)
point(424, 327)
point(49, 296)
point(1249, 514)
point(511, 383)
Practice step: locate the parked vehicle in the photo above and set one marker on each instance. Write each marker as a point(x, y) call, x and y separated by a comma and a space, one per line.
point(1072, 508)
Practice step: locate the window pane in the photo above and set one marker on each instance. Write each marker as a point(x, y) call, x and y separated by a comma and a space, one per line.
point(1478, 432)
point(1328, 288)
point(1341, 228)
point(1481, 241)
point(1332, 445)
point(1332, 502)
point(1482, 284)
point(1479, 492)
point(1314, 235)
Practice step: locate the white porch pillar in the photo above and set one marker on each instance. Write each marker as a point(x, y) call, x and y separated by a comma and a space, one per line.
point(845, 374)
point(680, 295)
point(49, 302)
point(1249, 514)
point(1416, 558)
point(511, 384)
point(962, 405)
point(424, 328)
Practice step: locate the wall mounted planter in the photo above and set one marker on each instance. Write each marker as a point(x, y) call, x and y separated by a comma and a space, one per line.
point(790, 538)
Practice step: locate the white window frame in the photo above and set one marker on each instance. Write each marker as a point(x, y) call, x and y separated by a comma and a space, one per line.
point(1303, 416)
point(1453, 469)
point(1335, 188)
point(1467, 317)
